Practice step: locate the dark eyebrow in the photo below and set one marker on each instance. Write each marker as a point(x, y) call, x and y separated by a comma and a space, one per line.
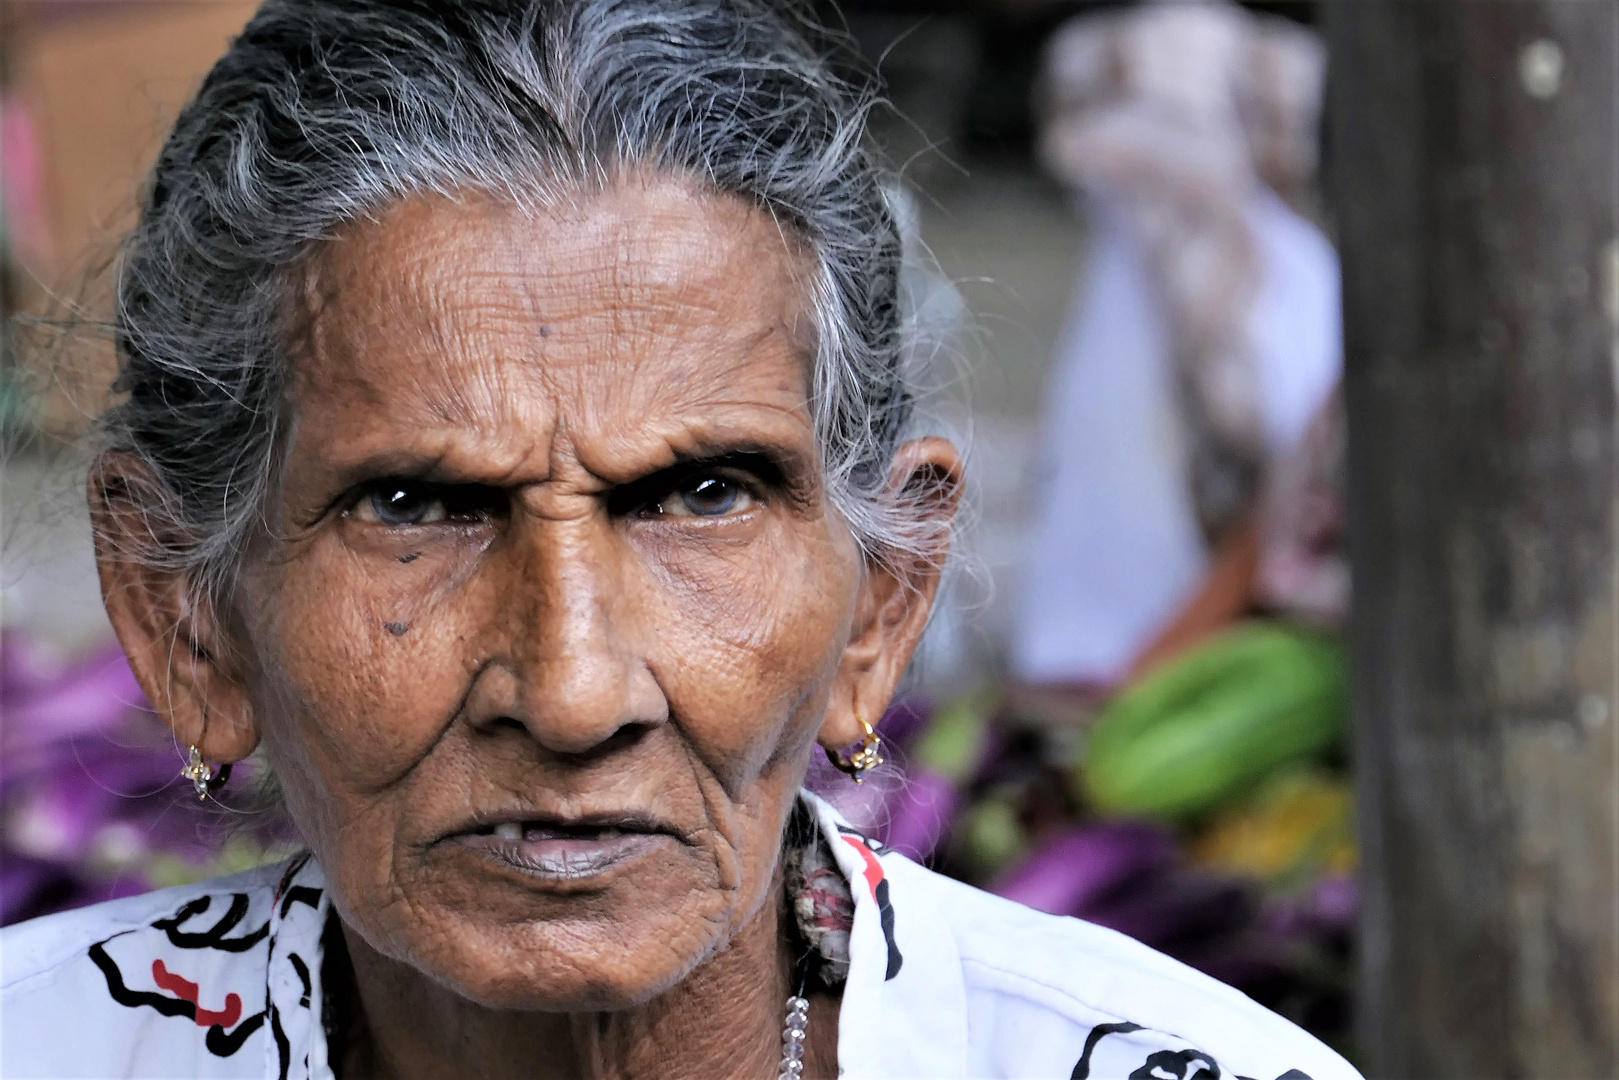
point(761, 458)
point(398, 464)
point(766, 466)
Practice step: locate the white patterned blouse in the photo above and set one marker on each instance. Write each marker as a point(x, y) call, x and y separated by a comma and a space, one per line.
point(222, 979)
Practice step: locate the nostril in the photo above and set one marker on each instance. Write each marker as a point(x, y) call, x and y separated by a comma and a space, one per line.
point(569, 745)
point(622, 739)
point(498, 724)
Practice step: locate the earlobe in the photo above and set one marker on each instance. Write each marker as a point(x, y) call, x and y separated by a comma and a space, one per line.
point(173, 642)
point(862, 758)
point(897, 592)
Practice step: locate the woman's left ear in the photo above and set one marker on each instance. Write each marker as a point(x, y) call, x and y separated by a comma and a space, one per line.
point(897, 591)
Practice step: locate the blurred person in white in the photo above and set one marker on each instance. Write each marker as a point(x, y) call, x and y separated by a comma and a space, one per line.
point(1204, 338)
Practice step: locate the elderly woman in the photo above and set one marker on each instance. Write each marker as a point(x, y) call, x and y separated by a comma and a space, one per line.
point(515, 451)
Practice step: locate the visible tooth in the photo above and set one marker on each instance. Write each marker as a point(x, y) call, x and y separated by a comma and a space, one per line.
point(509, 830)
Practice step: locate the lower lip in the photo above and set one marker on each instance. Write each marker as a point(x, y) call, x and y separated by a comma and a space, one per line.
point(565, 859)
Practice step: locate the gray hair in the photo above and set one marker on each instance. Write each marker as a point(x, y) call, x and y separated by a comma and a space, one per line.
point(325, 111)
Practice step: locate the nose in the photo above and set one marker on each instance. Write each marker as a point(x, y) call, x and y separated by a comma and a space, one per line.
point(568, 666)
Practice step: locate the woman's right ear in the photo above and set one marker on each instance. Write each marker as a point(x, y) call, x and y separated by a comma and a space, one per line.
point(169, 632)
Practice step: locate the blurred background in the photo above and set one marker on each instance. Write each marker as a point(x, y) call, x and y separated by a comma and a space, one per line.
point(1133, 704)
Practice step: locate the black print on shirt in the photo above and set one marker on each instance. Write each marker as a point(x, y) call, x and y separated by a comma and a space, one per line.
point(219, 1041)
point(1082, 1068)
point(178, 996)
point(299, 894)
point(214, 937)
point(283, 1048)
point(1177, 1065)
point(302, 971)
point(1162, 1064)
point(877, 880)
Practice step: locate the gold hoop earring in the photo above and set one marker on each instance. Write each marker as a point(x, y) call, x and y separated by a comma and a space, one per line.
point(863, 760)
point(204, 779)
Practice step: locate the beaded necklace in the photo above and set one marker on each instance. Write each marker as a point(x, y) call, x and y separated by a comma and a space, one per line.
point(793, 1033)
point(823, 911)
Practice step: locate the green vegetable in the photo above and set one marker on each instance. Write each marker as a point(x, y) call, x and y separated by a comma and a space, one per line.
point(991, 834)
point(955, 739)
point(1216, 720)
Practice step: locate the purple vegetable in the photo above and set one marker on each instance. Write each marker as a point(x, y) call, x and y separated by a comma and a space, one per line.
point(905, 721)
point(23, 667)
point(91, 696)
point(1175, 907)
point(1328, 907)
point(1249, 961)
point(1335, 903)
point(23, 882)
point(88, 779)
point(919, 813)
point(864, 804)
point(1077, 868)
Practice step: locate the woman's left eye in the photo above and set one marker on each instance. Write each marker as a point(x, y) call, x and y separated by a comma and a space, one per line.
point(706, 495)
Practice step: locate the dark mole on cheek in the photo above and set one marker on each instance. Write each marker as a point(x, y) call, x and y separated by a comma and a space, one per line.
point(545, 331)
point(396, 628)
point(410, 557)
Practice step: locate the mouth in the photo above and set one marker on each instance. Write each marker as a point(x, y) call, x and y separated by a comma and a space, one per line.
point(561, 850)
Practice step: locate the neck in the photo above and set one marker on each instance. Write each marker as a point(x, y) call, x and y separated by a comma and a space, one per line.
point(724, 1019)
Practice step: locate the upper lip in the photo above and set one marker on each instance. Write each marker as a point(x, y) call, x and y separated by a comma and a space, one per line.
point(625, 821)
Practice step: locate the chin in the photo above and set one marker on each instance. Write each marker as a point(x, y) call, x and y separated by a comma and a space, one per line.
point(567, 966)
point(509, 939)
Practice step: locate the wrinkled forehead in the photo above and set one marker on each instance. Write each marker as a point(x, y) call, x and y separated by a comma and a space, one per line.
point(645, 301)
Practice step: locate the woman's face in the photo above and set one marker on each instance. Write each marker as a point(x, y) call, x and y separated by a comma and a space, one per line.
point(555, 605)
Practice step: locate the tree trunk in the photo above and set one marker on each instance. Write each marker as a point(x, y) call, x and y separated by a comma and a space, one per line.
point(1473, 174)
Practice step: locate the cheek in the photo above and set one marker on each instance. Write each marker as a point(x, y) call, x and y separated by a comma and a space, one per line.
point(367, 661)
point(750, 641)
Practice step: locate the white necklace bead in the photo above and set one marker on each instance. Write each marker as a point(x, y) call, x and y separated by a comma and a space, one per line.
point(792, 1039)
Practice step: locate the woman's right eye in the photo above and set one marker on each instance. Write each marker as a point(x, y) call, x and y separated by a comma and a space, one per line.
point(398, 503)
point(403, 503)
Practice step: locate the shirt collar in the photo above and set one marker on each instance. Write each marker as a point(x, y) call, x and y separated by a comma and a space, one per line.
point(904, 1010)
point(296, 1049)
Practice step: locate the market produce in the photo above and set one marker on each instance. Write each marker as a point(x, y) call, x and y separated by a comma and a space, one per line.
point(90, 806)
point(1081, 867)
point(1216, 720)
point(990, 832)
point(1254, 890)
point(919, 813)
point(1293, 828)
point(1176, 907)
point(940, 752)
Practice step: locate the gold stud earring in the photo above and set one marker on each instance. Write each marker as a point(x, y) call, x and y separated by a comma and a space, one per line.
point(863, 760)
point(204, 778)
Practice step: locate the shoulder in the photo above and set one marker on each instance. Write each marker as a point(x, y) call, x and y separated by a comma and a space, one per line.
point(172, 981)
point(1124, 1005)
point(31, 949)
